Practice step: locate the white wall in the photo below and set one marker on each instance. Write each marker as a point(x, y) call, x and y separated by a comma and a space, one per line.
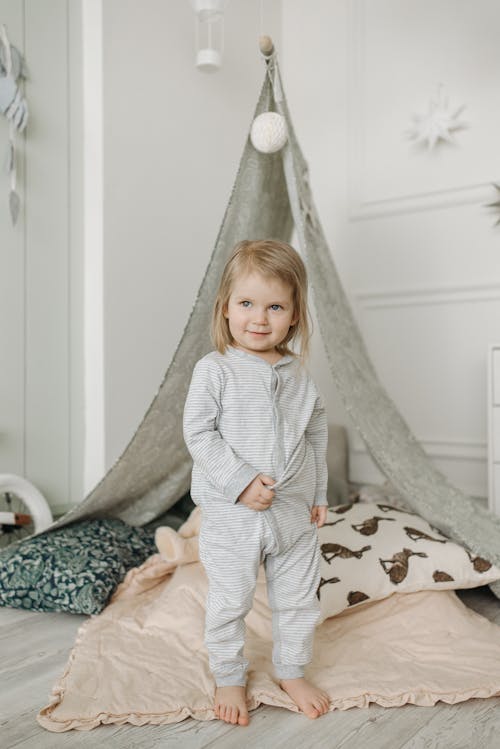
point(416, 250)
point(173, 137)
point(41, 373)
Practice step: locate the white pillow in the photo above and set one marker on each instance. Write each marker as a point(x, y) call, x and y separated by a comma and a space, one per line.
point(371, 550)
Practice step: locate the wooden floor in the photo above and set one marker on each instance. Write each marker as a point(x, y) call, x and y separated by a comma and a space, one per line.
point(34, 649)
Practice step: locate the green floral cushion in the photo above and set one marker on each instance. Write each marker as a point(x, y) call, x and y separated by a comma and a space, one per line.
point(72, 569)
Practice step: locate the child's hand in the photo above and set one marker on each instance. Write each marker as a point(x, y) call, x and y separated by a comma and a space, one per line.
point(318, 514)
point(257, 495)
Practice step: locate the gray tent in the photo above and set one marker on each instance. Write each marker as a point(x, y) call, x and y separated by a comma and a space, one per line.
point(271, 195)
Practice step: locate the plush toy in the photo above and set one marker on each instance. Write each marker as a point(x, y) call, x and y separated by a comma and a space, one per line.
point(180, 546)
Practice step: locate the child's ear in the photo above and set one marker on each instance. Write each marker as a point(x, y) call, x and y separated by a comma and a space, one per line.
point(224, 311)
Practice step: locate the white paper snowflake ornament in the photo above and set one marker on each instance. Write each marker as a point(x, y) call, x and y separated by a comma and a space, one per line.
point(438, 124)
point(269, 133)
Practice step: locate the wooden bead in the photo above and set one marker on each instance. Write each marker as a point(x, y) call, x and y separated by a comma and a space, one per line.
point(266, 45)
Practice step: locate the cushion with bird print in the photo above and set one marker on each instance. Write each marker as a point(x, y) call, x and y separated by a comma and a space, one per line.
point(371, 550)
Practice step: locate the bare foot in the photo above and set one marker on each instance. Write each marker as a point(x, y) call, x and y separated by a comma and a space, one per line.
point(311, 700)
point(231, 705)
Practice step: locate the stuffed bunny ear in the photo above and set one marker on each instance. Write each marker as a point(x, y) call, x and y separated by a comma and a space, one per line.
point(169, 543)
point(192, 525)
point(175, 548)
point(191, 551)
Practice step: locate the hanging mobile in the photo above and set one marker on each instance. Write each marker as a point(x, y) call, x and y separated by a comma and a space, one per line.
point(14, 106)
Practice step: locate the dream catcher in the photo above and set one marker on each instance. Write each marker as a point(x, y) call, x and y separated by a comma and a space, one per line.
point(15, 108)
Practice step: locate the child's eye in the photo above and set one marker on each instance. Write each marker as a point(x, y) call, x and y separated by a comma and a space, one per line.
point(244, 303)
point(276, 305)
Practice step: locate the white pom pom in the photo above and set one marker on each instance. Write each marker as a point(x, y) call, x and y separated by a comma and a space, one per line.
point(268, 133)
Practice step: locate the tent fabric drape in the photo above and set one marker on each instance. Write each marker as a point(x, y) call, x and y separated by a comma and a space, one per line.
point(154, 470)
point(271, 195)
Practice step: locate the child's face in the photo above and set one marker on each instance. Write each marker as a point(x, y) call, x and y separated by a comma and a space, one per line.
point(260, 313)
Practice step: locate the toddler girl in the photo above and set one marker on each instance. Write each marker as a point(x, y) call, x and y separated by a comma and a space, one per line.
point(256, 428)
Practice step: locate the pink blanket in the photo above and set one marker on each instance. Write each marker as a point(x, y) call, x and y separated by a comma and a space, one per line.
point(142, 660)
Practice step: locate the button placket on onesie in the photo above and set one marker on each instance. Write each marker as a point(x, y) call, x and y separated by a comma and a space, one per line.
point(292, 576)
point(234, 540)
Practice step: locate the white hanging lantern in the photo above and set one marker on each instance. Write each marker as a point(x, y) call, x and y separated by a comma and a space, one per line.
point(209, 33)
point(269, 133)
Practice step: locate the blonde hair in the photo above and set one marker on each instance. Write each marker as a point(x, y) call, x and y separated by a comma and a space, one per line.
point(271, 258)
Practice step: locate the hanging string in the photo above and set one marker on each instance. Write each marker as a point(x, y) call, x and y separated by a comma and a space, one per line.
point(271, 66)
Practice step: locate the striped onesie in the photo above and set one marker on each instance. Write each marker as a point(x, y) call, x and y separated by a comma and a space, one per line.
point(244, 416)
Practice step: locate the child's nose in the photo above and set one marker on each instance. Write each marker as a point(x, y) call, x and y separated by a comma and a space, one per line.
point(261, 316)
